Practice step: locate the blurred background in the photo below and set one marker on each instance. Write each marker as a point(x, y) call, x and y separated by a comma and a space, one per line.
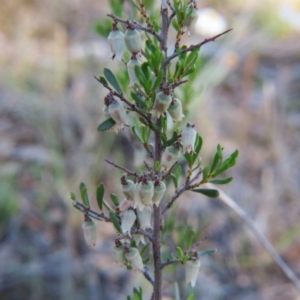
point(247, 98)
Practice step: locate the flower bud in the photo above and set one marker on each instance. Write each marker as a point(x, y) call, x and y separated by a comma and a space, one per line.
point(116, 42)
point(118, 113)
point(128, 188)
point(188, 138)
point(175, 110)
point(144, 217)
point(131, 72)
point(128, 219)
point(146, 191)
point(90, 232)
point(133, 40)
point(169, 157)
point(118, 254)
point(134, 258)
point(139, 238)
point(159, 191)
point(191, 271)
point(162, 103)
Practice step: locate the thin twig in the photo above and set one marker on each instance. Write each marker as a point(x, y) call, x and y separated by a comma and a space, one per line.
point(121, 168)
point(91, 213)
point(183, 188)
point(148, 276)
point(259, 235)
point(177, 84)
point(135, 25)
point(169, 172)
point(170, 262)
point(192, 47)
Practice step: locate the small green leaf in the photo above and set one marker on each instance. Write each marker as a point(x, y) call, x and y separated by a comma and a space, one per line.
point(146, 260)
point(115, 200)
point(109, 75)
point(146, 131)
point(207, 252)
point(217, 158)
point(191, 158)
point(84, 194)
point(100, 194)
point(136, 134)
point(180, 253)
point(144, 249)
point(205, 173)
point(173, 139)
point(175, 180)
point(207, 192)
point(103, 80)
point(158, 80)
point(221, 181)
point(114, 219)
point(73, 196)
point(106, 125)
point(138, 100)
point(175, 25)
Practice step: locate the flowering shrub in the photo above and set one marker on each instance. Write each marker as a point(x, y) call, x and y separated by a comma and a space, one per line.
point(150, 107)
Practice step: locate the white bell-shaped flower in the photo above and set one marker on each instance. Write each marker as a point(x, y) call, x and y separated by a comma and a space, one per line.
point(134, 258)
point(162, 103)
point(139, 238)
point(144, 217)
point(127, 220)
point(191, 271)
point(169, 157)
point(128, 188)
point(117, 43)
point(188, 139)
point(118, 113)
point(118, 254)
point(146, 191)
point(133, 40)
point(159, 191)
point(90, 232)
point(175, 110)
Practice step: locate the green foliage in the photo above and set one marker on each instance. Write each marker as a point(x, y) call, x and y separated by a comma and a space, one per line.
point(137, 294)
point(84, 194)
point(106, 125)
point(207, 192)
point(115, 220)
point(111, 78)
point(191, 158)
point(100, 194)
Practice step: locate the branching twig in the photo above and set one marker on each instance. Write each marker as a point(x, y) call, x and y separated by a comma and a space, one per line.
point(91, 213)
point(259, 235)
point(135, 24)
point(169, 172)
point(192, 47)
point(121, 168)
point(148, 276)
point(183, 188)
point(170, 262)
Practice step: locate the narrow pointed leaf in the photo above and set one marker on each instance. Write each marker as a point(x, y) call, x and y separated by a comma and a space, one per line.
point(107, 124)
point(144, 249)
point(136, 134)
point(115, 200)
point(221, 181)
point(73, 196)
point(109, 75)
point(84, 194)
point(207, 252)
point(114, 219)
point(207, 192)
point(100, 194)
